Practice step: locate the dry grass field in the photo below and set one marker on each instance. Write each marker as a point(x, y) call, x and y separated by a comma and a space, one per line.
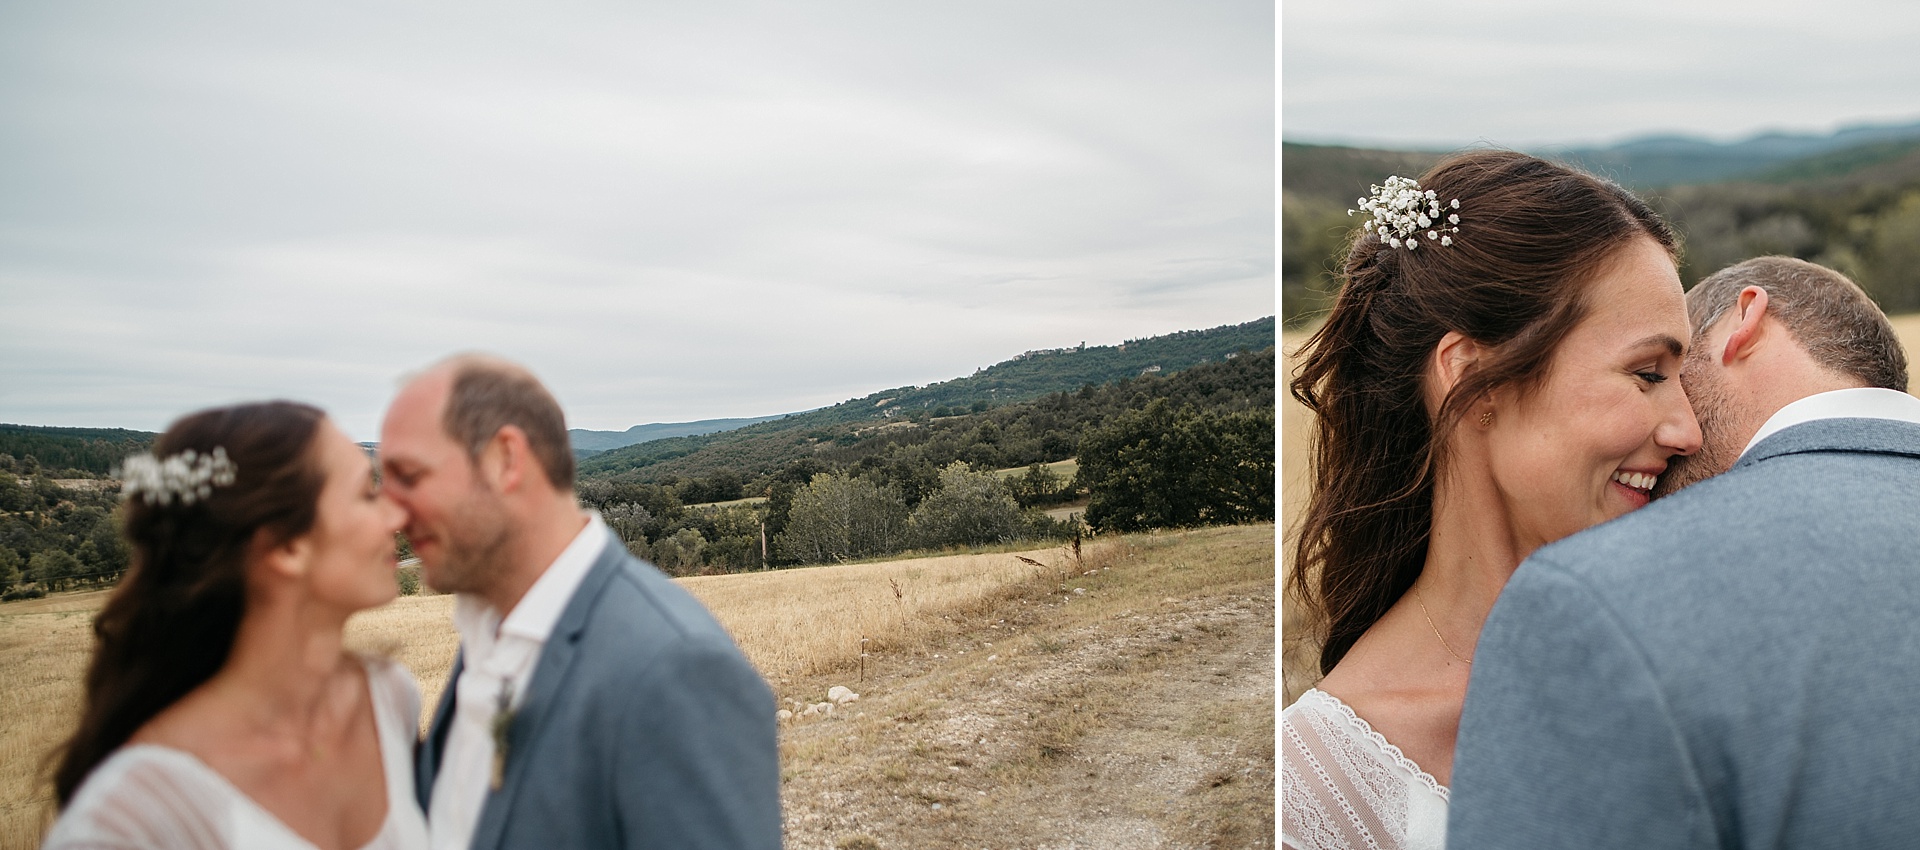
point(802, 628)
point(1298, 668)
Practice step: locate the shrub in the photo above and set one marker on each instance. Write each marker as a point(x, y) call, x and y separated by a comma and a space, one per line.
point(970, 509)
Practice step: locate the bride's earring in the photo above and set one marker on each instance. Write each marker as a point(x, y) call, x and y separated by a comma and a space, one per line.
point(1486, 419)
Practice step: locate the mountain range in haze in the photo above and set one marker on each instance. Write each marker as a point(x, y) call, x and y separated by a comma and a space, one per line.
point(1669, 159)
point(588, 442)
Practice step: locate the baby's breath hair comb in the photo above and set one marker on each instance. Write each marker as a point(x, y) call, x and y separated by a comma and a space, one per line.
point(1400, 211)
point(189, 475)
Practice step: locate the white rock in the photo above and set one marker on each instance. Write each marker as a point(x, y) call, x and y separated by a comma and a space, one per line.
point(841, 695)
point(783, 715)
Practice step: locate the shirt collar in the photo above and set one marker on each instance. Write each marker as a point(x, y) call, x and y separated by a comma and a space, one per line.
point(1859, 402)
point(539, 609)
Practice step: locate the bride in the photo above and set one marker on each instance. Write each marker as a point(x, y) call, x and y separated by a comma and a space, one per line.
point(221, 709)
point(1500, 370)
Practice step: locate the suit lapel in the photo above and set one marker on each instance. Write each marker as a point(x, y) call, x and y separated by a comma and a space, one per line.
point(549, 680)
point(429, 751)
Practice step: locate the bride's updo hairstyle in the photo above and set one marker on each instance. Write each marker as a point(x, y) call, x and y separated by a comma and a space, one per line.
point(171, 621)
point(1532, 235)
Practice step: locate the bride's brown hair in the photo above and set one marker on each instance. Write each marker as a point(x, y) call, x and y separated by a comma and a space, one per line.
point(170, 623)
point(1532, 235)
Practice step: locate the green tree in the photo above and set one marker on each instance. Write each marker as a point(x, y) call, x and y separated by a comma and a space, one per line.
point(1039, 485)
point(53, 568)
point(970, 509)
point(1159, 467)
point(9, 568)
point(680, 553)
point(628, 520)
point(1893, 277)
point(836, 517)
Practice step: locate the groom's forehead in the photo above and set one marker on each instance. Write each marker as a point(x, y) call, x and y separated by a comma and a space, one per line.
point(414, 422)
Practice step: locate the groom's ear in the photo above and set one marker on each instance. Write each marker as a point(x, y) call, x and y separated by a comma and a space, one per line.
point(1749, 315)
point(503, 463)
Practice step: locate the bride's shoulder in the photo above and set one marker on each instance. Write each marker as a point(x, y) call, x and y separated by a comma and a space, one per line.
point(143, 795)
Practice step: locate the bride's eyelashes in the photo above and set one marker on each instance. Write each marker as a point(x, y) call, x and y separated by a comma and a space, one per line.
point(1651, 376)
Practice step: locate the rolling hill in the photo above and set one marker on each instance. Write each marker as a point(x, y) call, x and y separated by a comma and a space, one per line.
point(1022, 378)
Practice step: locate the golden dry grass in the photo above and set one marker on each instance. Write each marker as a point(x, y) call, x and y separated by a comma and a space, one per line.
point(796, 622)
point(1298, 665)
point(801, 622)
point(44, 644)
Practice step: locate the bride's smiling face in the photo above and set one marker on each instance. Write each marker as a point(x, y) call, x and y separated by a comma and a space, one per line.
point(1589, 441)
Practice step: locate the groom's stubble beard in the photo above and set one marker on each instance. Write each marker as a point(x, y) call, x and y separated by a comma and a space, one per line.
point(475, 544)
point(1720, 441)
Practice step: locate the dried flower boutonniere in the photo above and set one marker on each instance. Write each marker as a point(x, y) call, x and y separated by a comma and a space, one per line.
point(502, 721)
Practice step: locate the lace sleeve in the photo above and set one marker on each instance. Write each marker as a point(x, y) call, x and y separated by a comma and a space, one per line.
point(1344, 786)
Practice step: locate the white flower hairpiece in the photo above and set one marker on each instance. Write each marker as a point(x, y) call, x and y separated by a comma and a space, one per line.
point(189, 475)
point(1401, 211)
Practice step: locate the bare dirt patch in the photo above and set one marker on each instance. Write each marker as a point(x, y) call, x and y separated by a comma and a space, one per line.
point(1112, 717)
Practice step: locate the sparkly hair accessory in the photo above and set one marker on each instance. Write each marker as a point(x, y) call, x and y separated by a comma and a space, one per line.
point(1400, 211)
point(189, 475)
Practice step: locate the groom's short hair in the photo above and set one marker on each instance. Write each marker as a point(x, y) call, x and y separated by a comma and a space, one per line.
point(490, 393)
point(1829, 315)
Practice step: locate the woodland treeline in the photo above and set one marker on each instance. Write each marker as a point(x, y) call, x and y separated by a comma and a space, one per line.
point(1856, 210)
point(58, 529)
point(1162, 449)
point(1193, 448)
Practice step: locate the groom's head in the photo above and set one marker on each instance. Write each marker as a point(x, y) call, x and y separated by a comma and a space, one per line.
point(1769, 332)
point(476, 449)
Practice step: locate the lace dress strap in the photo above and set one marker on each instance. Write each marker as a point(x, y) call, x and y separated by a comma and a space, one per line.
point(1345, 785)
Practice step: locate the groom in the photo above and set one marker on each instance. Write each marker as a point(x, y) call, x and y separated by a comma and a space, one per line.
point(1738, 664)
point(594, 703)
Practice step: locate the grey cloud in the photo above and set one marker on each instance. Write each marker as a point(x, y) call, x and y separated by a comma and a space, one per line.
point(673, 211)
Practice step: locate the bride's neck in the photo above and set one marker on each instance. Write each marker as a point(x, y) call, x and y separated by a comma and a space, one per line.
point(285, 655)
point(1471, 551)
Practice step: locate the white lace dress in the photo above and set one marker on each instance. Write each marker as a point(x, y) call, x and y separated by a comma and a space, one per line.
point(1344, 786)
point(148, 796)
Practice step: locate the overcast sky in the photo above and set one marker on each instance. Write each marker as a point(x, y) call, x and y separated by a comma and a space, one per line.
point(670, 211)
point(1521, 73)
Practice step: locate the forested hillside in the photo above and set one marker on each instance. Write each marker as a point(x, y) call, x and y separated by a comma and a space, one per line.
point(1855, 208)
point(760, 449)
point(1196, 447)
point(82, 452)
point(1177, 430)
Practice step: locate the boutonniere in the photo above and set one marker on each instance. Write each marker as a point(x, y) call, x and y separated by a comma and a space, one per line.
point(502, 721)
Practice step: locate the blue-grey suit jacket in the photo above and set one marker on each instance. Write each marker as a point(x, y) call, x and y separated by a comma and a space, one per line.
point(1736, 665)
point(643, 727)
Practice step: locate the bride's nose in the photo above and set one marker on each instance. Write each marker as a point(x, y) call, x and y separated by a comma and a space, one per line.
point(1678, 431)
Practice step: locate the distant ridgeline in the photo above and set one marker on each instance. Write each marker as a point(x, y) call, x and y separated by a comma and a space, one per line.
point(758, 450)
point(1849, 200)
point(59, 450)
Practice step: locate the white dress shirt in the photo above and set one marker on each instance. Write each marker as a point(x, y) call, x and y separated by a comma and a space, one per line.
point(497, 651)
point(1861, 402)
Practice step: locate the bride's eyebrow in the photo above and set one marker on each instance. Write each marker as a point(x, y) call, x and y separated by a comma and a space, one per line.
point(1667, 341)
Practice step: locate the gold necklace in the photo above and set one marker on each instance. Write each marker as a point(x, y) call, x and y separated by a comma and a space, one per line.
point(1436, 629)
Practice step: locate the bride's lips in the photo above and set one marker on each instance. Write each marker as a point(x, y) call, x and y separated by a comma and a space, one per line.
point(1636, 486)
